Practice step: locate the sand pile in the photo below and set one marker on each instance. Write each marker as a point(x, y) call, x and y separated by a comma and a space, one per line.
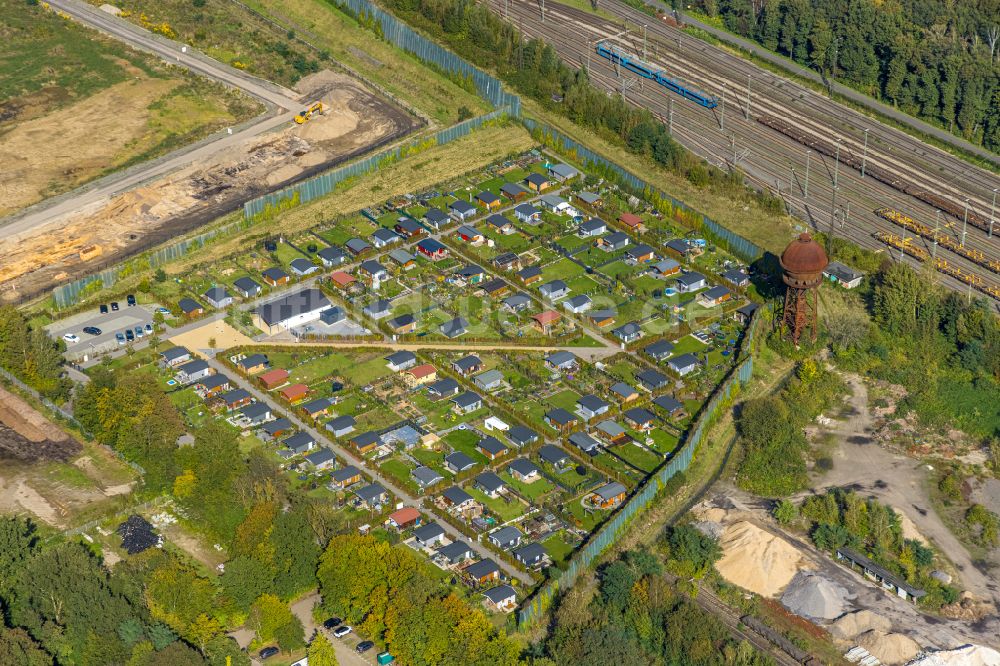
point(908, 527)
point(858, 622)
point(891, 649)
point(967, 655)
point(813, 596)
point(757, 560)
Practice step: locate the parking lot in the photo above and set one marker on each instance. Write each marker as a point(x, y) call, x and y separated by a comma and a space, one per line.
point(113, 322)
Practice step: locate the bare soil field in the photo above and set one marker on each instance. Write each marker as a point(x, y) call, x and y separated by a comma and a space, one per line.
point(355, 122)
point(48, 474)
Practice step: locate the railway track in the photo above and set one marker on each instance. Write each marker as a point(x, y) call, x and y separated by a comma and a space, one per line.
point(834, 199)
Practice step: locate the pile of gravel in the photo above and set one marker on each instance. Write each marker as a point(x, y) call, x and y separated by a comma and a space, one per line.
point(813, 596)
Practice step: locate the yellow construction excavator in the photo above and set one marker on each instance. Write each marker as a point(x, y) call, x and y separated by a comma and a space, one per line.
point(307, 113)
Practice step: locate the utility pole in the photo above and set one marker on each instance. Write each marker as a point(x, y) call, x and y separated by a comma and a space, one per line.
point(833, 207)
point(542, 4)
point(733, 142)
point(748, 97)
point(864, 157)
point(847, 216)
point(643, 41)
point(836, 167)
point(722, 122)
point(993, 210)
point(937, 223)
point(670, 119)
point(805, 192)
point(965, 222)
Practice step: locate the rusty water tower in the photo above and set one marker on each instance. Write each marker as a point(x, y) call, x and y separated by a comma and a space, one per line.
point(802, 262)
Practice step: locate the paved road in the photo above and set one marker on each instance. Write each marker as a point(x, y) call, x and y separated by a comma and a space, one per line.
point(350, 458)
point(849, 93)
point(286, 101)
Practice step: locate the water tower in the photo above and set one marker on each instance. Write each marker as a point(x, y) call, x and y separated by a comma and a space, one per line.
point(802, 262)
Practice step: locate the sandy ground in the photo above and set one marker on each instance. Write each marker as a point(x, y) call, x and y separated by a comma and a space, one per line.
point(730, 506)
point(197, 340)
point(356, 121)
point(900, 482)
point(72, 145)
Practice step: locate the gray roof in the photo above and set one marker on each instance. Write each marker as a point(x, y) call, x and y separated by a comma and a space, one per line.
point(500, 593)
point(379, 306)
point(252, 360)
point(276, 425)
point(467, 363)
point(529, 271)
point(372, 267)
point(668, 403)
point(345, 473)
point(175, 353)
point(523, 466)
point(588, 197)
point(455, 327)
point(506, 534)
point(455, 550)
point(530, 553)
point(255, 410)
point(512, 188)
point(370, 492)
point(214, 381)
point(317, 405)
point(593, 225)
point(191, 367)
point(488, 378)
point(467, 399)
point(715, 292)
point(217, 294)
point(332, 254)
point(435, 214)
point(611, 428)
point(246, 284)
point(584, 441)
point(652, 378)
point(275, 273)
point(426, 476)
point(401, 256)
point(526, 209)
point(553, 200)
point(628, 330)
point(592, 402)
point(691, 278)
point(444, 386)
point(659, 349)
point(459, 461)
point(340, 423)
point(320, 457)
point(401, 357)
point(302, 265)
point(610, 490)
point(563, 170)
point(482, 568)
point(552, 454)
point(456, 495)
point(462, 206)
point(639, 250)
point(234, 396)
point(639, 415)
point(616, 237)
point(385, 235)
point(489, 482)
point(428, 532)
point(560, 358)
point(622, 389)
point(560, 416)
point(307, 300)
point(578, 301)
point(492, 445)
point(188, 305)
point(553, 287)
point(516, 301)
point(667, 264)
point(521, 435)
point(300, 441)
point(357, 246)
point(738, 276)
point(683, 361)
point(679, 245)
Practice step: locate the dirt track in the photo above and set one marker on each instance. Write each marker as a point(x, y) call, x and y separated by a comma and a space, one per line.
point(357, 121)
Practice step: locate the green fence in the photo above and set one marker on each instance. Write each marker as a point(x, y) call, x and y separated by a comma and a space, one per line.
point(324, 183)
point(741, 247)
point(536, 605)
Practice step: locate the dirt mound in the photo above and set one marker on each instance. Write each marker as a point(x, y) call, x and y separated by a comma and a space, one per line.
point(908, 527)
point(891, 649)
point(758, 560)
point(813, 596)
point(25, 433)
point(967, 655)
point(853, 624)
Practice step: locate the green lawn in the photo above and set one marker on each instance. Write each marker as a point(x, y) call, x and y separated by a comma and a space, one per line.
point(504, 510)
point(688, 344)
point(465, 441)
point(399, 471)
point(558, 549)
point(585, 519)
point(530, 490)
point(565, 399)
point(639, 457)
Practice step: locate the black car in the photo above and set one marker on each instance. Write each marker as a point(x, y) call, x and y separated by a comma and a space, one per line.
point(91, 330)
point(130, 299)
point(364, 646)
point(129, 335)
point(332, 622)
point(114, 306)
point(268, 652)
point(104, 308)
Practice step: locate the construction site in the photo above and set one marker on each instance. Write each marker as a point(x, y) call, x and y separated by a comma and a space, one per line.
point(341, 119)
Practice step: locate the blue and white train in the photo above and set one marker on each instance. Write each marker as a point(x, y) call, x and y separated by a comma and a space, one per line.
point(636, 66)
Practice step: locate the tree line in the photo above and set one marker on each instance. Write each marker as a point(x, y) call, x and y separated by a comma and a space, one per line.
point(933, 59)
point(30, 354)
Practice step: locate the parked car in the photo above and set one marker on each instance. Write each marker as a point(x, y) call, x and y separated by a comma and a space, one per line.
point(130, 299)
point(91, 330)
point(104, 308)
point(148, 328)
point(163, 311)
point(71, 338)
point(114, 306)
point(138, 331)
point(120, 338)
point(341, 631)
point(129, 335)
point(364, 646)
point(268, 652)
point(333, 622)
